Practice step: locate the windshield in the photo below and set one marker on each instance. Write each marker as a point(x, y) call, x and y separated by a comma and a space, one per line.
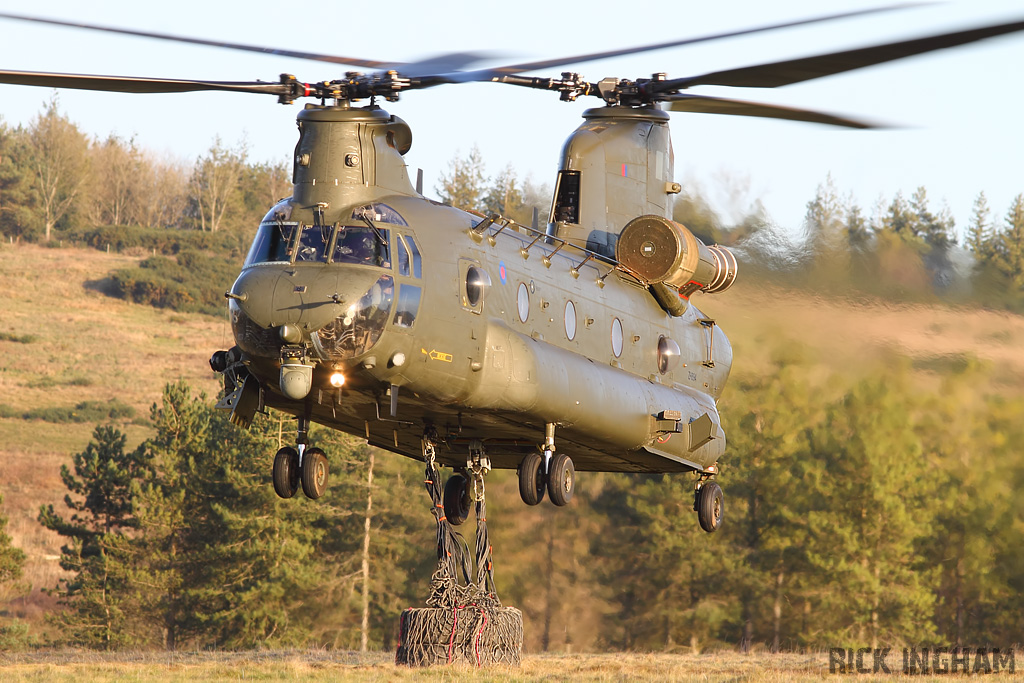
point(363, 245)
point(314, 242)
point(357, 329)
point(273, 243)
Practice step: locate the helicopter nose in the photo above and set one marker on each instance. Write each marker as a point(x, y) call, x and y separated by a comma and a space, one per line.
point(297, 298)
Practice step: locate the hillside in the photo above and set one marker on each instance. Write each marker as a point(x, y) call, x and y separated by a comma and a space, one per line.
point(63, 342)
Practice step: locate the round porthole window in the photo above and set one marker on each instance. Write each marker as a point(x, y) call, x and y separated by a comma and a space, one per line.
point(668, 354)
point(523, 301)
point(476, 282)
point(570, 320)
point(616, 337)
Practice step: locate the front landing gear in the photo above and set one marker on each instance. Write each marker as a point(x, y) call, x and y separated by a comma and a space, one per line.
point(554, 473)
point(561, 479)
point(287, 472)
point(300, 465)
point(708, 501)
point(314, 473)
point(532, 481)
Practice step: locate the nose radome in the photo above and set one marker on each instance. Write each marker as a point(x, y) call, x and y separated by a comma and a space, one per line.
point(306, 297)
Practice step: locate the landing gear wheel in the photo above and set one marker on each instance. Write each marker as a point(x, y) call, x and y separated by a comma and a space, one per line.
point(709, 506)
point(314, 473)
point(456, 499)
point(286, 472)
point(532, 481)
point(561, 479)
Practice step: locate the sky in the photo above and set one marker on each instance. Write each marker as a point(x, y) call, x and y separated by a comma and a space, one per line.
point(959, 111)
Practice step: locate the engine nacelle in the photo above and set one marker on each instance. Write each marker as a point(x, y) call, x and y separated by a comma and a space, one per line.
point(661, 251)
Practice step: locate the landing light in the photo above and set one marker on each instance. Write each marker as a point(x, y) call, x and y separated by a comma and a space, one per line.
point(337, 380)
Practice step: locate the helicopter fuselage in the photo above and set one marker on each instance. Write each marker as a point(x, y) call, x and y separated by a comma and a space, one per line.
point(479, 328)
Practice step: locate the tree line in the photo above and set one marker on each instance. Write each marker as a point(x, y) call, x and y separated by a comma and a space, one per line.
point(902, 248)
point(56, 179)
point(861, 511)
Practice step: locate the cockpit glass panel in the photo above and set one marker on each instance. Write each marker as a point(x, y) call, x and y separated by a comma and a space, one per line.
point(416, 267)
point(403, 256)
point(408, 305)
point(273, 243)
point(357, 329)
point(379, 213)
point(313, 243)
point(362, 245)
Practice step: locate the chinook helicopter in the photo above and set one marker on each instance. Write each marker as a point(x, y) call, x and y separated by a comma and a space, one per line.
point(436, 332)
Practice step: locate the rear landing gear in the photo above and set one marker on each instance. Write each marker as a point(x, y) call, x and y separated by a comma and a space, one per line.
point(456, 499)
point(465, 488)
point(300, 465)
point(708, 502)
point(554, 473)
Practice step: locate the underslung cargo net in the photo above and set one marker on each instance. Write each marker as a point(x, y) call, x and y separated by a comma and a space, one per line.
point(464, 620)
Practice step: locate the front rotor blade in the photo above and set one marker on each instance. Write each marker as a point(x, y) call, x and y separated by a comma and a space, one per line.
point(705, 104)
point(497, 72)
point(130, 84)
point(352, 61)
point(440, 63)
point(804, 69)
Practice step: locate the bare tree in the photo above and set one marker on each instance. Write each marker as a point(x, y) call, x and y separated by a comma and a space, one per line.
point(167, 198)
point(115, 187)
point(214, 186)
point(60, 163)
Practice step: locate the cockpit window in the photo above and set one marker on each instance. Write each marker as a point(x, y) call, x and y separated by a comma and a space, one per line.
point(313, 243)
point(273, 243)
point(362, 245)
point(379, 213)
point(357, 329)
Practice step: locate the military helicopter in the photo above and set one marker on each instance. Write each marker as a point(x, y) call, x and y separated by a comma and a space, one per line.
point(435, 332)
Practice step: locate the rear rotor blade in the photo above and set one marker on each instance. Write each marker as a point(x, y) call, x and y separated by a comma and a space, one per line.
point(496, 72)
point(705, 104)
point(128, 84)
point(807, 68)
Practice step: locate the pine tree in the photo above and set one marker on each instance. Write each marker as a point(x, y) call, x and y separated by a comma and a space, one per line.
point(1008, 258)
point(505, 196)
point(979, 232)
point(870, 488)
point(230, 563)
point(974, 503)
point(767, 420)
point(12, 558)
point(98, 596)
point(463, 185)
point(823, 220)
point(936, 231)
point(17, 217)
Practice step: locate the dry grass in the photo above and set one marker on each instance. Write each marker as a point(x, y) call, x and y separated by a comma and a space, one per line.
point(856, 337)
point(65, 342)
point(82, 667)
point(62, 342)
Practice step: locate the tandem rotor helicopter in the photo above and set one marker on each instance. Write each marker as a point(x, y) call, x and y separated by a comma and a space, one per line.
point(436, 332)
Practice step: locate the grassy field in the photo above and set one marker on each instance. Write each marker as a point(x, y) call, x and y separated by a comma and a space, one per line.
point(63, 341)
point(378, 667)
